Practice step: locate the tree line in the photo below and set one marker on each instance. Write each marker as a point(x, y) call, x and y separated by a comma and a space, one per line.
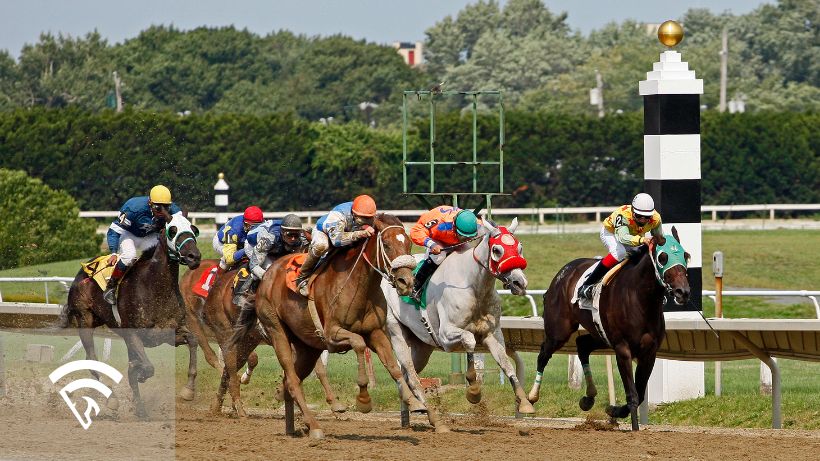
point(283, 162)
point(522, 48)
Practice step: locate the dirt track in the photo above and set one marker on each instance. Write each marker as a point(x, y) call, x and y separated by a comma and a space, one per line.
point(200, 435)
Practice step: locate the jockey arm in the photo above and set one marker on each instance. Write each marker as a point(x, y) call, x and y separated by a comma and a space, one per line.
point(338, 234)
point(257, 255)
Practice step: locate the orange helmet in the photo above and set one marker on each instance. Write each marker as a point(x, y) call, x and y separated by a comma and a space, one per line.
point(364, 205)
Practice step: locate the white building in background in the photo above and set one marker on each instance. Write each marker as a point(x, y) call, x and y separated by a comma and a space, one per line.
point(411, 52)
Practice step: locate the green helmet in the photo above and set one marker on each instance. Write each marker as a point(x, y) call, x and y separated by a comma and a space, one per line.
point(466, 223)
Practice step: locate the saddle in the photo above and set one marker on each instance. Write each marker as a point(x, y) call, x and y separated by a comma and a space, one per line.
point(99, 270)
point(293, 267)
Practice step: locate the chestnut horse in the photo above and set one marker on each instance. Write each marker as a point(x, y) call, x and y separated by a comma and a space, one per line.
point(350, 313)
point(631, 317)
point(219, 313)
point(149, 304)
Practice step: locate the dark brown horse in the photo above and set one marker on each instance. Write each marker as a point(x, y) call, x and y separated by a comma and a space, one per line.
point(218, 312)
point(149, 304)
point(351, 312)
point(631, 312)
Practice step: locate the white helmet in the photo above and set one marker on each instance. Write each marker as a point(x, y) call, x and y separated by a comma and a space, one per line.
point(643, 205)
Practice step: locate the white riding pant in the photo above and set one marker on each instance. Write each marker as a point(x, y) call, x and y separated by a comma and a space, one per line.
point(130, 243)
point(319, 243)
point(218, 245)
point(617, 249)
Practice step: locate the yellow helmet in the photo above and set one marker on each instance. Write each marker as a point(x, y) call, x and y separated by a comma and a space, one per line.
point(160, 194)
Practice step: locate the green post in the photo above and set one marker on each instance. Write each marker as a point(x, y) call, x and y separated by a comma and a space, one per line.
point(456, 374)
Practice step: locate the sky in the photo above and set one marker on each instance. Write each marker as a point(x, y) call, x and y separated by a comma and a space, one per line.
point(380, 21)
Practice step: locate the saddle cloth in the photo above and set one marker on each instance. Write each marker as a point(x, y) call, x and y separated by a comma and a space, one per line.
point(422, 303)
point(292, 270)
point(99, 270)
point(203, 286)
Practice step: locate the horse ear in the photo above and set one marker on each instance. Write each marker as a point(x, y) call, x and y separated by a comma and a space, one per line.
point(490, 228)
point(675, 233)
point(687, 256)
point(513, 225)
point(195, 230)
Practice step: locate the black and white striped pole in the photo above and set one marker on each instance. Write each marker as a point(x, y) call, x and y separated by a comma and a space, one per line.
point(221, 200)
point(672, 176)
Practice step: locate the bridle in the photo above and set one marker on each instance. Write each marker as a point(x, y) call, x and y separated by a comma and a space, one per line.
point(383, 259)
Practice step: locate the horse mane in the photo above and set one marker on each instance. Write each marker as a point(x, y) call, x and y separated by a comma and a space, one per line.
point(638, 255)
point(389, 219)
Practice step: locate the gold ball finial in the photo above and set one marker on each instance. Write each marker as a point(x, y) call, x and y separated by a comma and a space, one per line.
point(221, 176)
point(670, 33)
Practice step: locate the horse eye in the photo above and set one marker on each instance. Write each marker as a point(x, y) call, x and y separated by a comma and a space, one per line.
point(498, 252)
point(663, 258)
point(172, 231)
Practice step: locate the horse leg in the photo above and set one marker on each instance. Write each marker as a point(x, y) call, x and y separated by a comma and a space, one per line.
point(342, 337)
point(189, 391)
point(216, 406)
point(305, 359)
point(135, 375)
point(378, 341)
point(624, 358)
point(642, 373)
point(195, 325)
point(87, 339)
point(586, 344)
point(495, 343)
point(231, 357)
point(473, 386)
point(253, 361)
point(292, 383)
point(321, 373)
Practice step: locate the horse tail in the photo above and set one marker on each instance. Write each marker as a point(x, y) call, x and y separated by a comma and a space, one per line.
point(64, 320)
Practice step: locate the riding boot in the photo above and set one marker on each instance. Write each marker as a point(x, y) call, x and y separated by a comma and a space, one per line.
point(305, 272)
point(425, 271)
point(597, 274)
point(110, 293)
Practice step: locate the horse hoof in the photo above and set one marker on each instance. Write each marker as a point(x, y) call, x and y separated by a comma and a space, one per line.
point(245, 379)
point(442, 429)
point(586, 403)
point(364, 406)
point(316, 434)
point(338, 407)
point(141, 413)
point(113, 404)
point(417, 408)
point(617, 411)
point(473, 394)
point(533, 396)
point(186, 394)
point(240, 410)
point(216, 409)
point(526, 408)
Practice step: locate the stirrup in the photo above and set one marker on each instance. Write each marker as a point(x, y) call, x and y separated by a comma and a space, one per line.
point(585, 292)
point(303, 287)
point(110, 296)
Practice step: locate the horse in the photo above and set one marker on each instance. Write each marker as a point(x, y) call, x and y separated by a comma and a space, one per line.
point(347, 311)
point(149, 304)
point(462, 310)
point(631, 318)
point(218, 312)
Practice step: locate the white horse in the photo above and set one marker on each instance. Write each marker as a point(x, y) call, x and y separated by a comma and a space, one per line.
point(463, 310)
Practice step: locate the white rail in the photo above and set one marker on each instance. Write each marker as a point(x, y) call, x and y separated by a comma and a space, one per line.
point(598, 211)
point(44, 280)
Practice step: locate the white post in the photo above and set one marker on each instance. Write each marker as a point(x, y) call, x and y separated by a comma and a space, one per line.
point(766, 378)
point(574, 373)
point(221, 200)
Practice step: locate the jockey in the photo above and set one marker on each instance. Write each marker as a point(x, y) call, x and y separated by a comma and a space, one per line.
point(136, 228)
point(345, 224)
point(625, 227)
point(229, 241)
point(438, 230)
point(264, 244)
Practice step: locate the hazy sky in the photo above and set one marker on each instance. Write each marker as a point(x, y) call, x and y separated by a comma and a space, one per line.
point(382, 21)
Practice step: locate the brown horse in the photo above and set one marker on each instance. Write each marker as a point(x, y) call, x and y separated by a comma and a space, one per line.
point(351, 313)
point(149, 304)
point(219, 313)
point(631, 312)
